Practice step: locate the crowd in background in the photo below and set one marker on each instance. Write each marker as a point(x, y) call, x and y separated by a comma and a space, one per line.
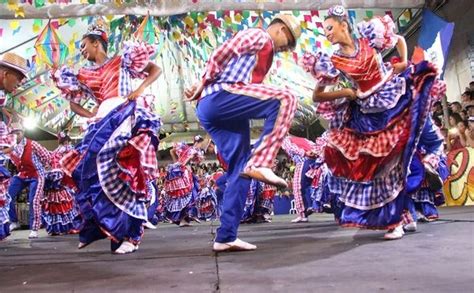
point(458, 131)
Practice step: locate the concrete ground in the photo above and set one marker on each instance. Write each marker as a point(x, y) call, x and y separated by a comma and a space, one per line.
point(313, 257)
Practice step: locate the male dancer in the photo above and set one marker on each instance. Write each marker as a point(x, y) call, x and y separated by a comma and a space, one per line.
point(231, 94)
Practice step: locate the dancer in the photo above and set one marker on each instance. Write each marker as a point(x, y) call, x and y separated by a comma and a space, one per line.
point(13, 71)
point(369, 157)
point(115, 164)
point(250, 209)
point(181, 185)
point(229, 96)
point(425, 200)
point(31, 160)
point(7, 141)
point(207, 199)
point(259, 204)
point(302, 152)
point(59, 207)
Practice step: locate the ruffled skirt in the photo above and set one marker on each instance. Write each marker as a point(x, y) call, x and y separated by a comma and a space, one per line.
point(113, 169)
point(181, 193)
point(368, 161)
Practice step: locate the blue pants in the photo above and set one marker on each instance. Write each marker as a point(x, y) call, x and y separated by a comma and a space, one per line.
point(16, 186)
point(226, 117)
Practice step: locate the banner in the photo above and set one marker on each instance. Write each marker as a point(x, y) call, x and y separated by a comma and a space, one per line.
point(459, 187)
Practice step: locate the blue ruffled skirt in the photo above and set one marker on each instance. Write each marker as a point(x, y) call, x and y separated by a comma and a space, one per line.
point(119, 213)
point(381, 202)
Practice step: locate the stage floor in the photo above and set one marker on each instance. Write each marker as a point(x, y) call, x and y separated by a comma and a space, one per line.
point(312, 257)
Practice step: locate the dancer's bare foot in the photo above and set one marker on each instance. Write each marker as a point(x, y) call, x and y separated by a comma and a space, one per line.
point(265, 175)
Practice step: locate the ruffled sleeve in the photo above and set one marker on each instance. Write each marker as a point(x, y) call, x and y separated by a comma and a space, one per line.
point(321, 68)
point(136, 57)
point(71, 88)
point(380, 31)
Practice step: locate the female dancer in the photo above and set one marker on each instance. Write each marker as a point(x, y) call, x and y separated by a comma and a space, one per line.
point(181, 185)
point(369, 158)
point(207, 199)
point(302, 152)
point(115, 163)
point(59, 207)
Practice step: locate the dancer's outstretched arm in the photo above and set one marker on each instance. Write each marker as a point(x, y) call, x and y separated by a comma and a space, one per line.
point(81, 111)
point(153, 73)
point(319, 95)
point(402, 51)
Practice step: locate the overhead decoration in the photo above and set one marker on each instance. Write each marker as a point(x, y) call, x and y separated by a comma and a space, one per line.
point(146, 31)
point(78, 8)
point(50, 49)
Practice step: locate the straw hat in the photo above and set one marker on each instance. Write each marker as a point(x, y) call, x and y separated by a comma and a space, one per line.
point(291, 23)
point(15, 62)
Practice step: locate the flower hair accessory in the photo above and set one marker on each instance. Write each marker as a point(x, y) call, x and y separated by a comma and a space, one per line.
point(98, 29)
point(337, 10)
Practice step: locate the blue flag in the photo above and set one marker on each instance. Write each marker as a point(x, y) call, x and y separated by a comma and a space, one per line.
point(435, 38)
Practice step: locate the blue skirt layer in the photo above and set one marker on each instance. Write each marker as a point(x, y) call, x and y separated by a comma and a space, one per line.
point(101, 217)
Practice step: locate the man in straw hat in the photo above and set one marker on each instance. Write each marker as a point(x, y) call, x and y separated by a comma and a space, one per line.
point(230, 94)
point(13, 71)
point(30, 159)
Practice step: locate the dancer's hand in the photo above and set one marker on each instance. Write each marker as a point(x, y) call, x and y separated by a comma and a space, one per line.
point(350, 94)
point(135, 94)
point(94, 111)
point(399, 67)
point(194, 92)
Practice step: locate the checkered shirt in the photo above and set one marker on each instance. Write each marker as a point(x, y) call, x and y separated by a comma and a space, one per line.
point(234, 61)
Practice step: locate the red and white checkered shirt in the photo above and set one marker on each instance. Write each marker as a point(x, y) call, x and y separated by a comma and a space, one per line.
point(243, 59)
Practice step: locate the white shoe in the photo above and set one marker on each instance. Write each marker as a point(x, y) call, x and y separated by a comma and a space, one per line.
point(33, 234)
point(149, 225)
point(126, 247)
point(236, 245)
point(300, 219)
point(410, 227)
point(394, 234)
point(14, 226)
point(265, 175)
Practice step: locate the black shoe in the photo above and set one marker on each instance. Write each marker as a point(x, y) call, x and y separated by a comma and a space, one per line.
point(435, 183)
point(308, 212)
